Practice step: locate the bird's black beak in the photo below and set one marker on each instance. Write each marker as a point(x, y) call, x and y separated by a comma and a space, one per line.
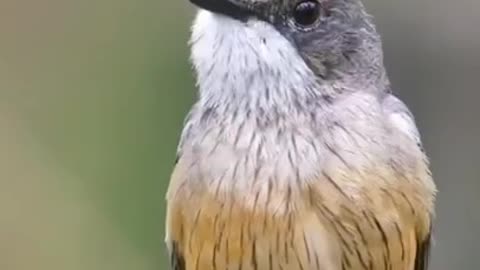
point(230, 8)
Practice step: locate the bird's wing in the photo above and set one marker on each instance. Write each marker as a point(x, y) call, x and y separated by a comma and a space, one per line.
point(389, 226)
point(174, 222)
point(402, 119)
point(176, 258)
point(423, 251)
point(387, 232)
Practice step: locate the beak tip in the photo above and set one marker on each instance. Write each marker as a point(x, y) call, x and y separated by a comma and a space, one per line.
point(226, 7)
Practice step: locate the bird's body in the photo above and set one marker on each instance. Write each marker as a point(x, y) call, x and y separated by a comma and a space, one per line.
point(279, 170)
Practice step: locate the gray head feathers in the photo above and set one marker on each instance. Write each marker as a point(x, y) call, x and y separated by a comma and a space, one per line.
point(341, 45)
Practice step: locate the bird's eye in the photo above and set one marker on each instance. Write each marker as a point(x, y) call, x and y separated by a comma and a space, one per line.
point(306, 12)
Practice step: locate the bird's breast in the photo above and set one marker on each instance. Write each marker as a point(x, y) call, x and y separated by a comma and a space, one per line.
point(222, 234)
point(306, 229)
point(248, 199)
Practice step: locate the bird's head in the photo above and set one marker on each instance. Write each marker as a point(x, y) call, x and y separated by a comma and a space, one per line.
point(285, 48)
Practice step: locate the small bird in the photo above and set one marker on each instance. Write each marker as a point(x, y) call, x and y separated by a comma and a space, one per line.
point(296, 155)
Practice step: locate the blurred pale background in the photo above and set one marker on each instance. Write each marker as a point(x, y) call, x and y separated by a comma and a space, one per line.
point(92, 98)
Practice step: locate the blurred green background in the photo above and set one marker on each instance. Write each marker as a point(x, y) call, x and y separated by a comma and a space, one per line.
point(92, 99)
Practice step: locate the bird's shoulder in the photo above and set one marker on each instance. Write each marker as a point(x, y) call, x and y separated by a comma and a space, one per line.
point(400, 117)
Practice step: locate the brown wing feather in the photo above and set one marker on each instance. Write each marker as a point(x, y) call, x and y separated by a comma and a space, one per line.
point(423, 252)
point(176, 258)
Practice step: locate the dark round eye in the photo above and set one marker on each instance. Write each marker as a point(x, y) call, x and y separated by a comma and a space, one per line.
point(306, 12)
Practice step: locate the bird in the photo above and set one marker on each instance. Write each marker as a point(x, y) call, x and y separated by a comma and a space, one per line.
point(297, 154)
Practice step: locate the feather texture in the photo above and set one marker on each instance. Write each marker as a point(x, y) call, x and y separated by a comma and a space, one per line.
point(281, 168)
point(319, 227)
point(423, 252)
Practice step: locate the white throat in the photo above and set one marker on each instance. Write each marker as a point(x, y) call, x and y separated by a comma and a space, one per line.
point(249, 65)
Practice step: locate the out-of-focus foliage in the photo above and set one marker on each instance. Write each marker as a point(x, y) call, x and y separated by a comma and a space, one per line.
point(92, 98)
